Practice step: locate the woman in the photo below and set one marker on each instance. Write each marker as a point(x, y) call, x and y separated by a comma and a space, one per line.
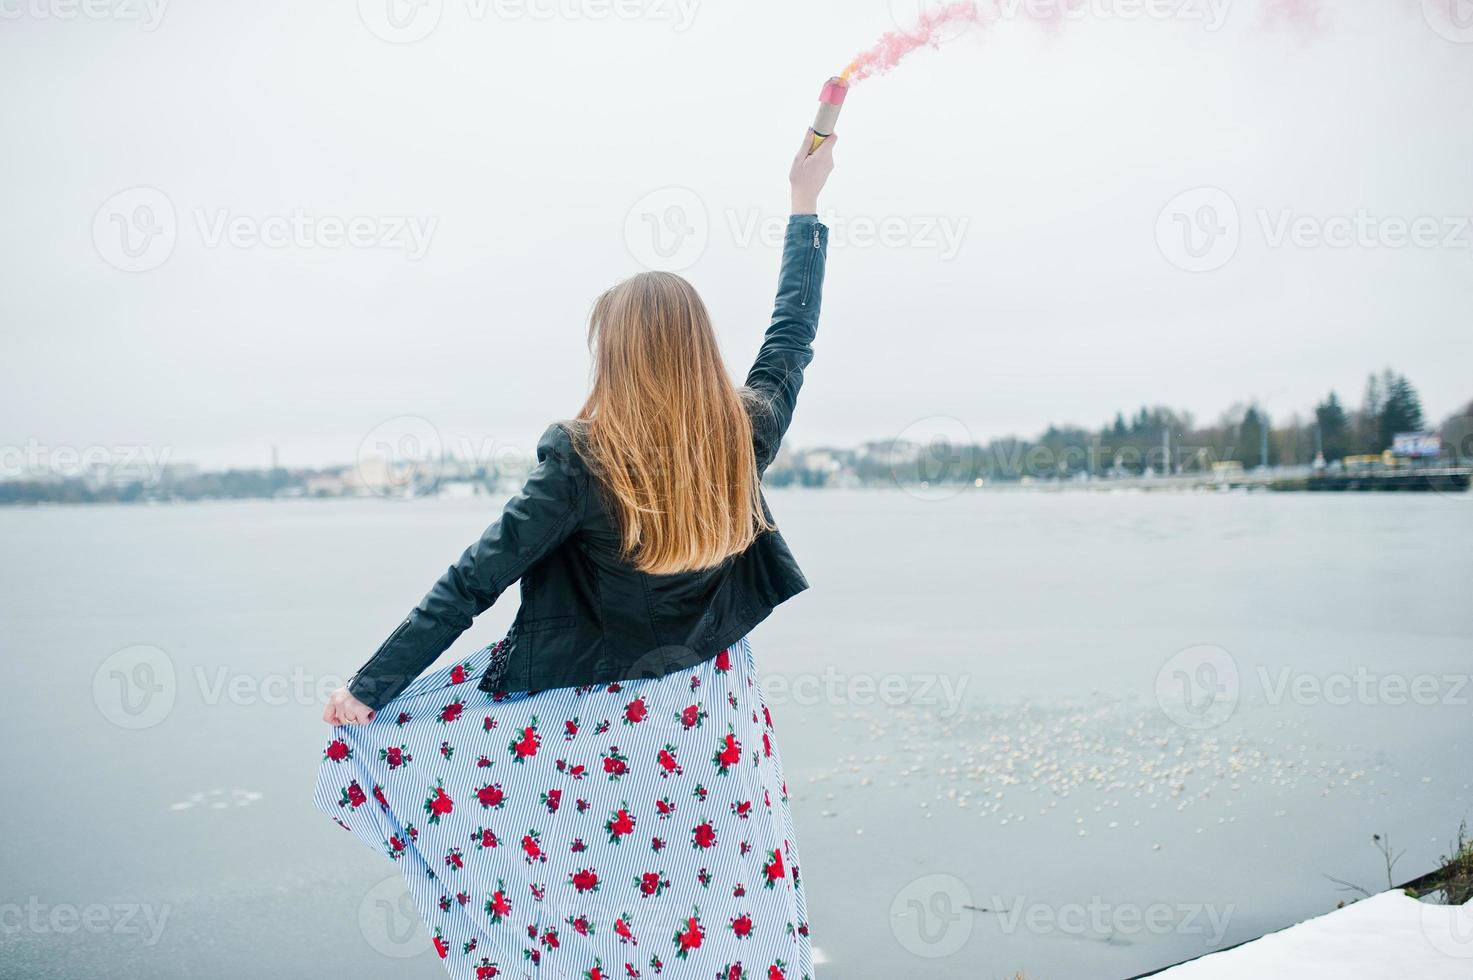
point(599, 794)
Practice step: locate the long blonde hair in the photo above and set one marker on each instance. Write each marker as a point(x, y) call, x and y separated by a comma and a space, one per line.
point(665, 429)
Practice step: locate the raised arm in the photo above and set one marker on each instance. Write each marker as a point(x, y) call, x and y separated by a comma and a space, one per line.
point(541, 516)
point(787, 347)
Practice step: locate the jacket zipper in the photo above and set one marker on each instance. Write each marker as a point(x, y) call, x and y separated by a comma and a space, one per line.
point(808, 271)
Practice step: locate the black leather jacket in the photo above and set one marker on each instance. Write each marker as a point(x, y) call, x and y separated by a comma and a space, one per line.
point(587, 615)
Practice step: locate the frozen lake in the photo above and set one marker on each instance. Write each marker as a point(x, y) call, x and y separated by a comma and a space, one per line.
point(1080, 735)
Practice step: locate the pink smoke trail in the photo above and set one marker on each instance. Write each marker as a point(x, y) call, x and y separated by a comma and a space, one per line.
point(1305, 17)
point(893, 46)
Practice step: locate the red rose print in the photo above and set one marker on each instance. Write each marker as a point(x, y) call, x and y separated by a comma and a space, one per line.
point(773, 869)
point(491, 796)
point(669, 766)
point(615, 765)
point(620, 824)
point(556, 915)
point(498, 906)
point(395, 756)
point(353, 794)
point(728, 754)
point(525, 747)
point(689, 936)
point(651, 883)
point(532, 847)
point(703, 835)
point(439, 803)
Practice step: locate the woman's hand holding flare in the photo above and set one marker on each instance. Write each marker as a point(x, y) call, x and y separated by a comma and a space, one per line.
point(810, 171)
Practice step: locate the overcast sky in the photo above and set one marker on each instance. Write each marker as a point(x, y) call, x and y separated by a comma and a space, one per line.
point(229, 226)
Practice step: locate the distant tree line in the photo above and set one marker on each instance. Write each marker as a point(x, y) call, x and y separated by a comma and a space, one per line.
point(1161, 439)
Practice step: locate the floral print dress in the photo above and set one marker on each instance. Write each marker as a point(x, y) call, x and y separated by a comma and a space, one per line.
point(631, 830)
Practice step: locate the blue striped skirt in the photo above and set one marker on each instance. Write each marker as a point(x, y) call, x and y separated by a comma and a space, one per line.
point(631, 830)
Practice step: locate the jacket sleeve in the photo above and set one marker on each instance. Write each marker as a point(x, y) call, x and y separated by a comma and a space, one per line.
point(787, 347)
point(537, 519)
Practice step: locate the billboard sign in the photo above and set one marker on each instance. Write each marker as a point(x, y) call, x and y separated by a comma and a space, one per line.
point(1416, 445)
